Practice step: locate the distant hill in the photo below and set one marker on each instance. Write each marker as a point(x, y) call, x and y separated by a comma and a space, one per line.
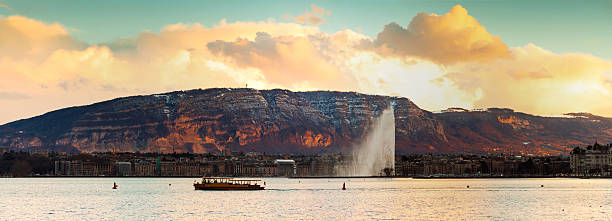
point(503, 130)
point(282, 121)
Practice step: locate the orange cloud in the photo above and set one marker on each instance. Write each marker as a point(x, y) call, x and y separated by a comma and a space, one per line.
point(438, 61)
point(451, 38)
point(285, 59)
point(59, 74)
point(315, 16)
point(23, 37)
point(535, 80)
point(176, 58)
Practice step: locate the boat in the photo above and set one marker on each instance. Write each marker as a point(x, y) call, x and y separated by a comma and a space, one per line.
point(226, 183)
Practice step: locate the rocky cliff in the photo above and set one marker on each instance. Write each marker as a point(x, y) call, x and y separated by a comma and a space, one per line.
point(202, 121)
point(499, 130)
point(281, 121)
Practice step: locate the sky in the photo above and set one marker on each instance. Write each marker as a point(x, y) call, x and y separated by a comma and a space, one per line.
point(540, 57)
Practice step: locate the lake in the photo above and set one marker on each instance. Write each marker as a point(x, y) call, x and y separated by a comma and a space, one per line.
point(307, 199)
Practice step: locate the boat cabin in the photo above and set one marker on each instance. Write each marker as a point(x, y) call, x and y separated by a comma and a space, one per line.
point(226, 183)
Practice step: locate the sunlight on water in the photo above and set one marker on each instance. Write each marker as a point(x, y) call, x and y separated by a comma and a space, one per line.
point(312, 199)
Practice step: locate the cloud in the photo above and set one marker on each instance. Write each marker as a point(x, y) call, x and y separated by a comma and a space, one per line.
point(194, 37)
point(12, 96)
point(58, 71)
point(314, 17)
point(167, 60)
point(479, 70)
point(284, 59)
point(447, 39)
point(24, 37)
point(437, 61)
point(415, 79)
point(538, 81)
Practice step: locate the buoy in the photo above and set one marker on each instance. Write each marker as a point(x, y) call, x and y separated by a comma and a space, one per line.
point(343, 186)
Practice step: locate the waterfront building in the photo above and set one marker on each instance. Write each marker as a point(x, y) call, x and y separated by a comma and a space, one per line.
point(267, 170)
point(167, 168)
point(123, 168)
point(406, 168)
point(595, 160)
point(62, 168)
point(102, 168)
point(76, 168)
point(285, 167)
point(144, 169)
point(188, 169)
point(138, 164)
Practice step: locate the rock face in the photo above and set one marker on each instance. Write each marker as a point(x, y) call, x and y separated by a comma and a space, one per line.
point(202, 121)
point(281, 121)
point(505, 131)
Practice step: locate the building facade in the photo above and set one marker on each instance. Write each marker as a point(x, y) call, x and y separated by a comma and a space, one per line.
point(595, 160)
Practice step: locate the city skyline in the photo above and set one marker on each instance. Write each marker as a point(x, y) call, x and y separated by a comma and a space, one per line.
point(551, 58)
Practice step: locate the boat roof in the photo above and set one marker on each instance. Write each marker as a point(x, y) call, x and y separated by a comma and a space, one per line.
point(228, 178)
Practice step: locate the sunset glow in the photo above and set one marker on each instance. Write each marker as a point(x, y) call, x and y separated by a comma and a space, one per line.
point(438, 60)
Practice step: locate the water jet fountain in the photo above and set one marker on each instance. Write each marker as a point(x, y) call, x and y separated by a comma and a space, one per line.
point(375, 155)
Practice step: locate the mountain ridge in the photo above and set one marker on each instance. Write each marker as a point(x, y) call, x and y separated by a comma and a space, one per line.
point(283, 121)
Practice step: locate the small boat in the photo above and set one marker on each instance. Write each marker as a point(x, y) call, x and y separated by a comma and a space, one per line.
point(226, 183)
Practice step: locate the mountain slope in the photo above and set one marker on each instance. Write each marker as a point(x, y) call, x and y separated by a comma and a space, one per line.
point(503, 130)
point(281, 121)
point(210, 120)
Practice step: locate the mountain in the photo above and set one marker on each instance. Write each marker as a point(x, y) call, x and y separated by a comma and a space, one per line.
point(503, 130)
point(282, 121)
point(211, 120)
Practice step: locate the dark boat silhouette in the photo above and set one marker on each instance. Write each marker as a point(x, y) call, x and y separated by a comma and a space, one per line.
point(225, 183)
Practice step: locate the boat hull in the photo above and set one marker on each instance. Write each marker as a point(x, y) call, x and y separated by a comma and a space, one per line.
point(224, 186)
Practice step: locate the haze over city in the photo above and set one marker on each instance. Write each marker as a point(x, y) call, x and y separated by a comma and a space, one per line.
point(541, 58)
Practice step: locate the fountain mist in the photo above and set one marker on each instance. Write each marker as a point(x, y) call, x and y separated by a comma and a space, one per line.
point(377, 152)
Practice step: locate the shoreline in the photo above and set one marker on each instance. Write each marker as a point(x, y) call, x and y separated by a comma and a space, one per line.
point(335, 177)
point(514, 177)
point(454, 177)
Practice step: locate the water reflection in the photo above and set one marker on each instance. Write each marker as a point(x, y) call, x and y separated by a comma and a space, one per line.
point(315, 199)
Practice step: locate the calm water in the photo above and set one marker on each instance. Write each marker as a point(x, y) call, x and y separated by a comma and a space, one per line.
point(310, 199)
